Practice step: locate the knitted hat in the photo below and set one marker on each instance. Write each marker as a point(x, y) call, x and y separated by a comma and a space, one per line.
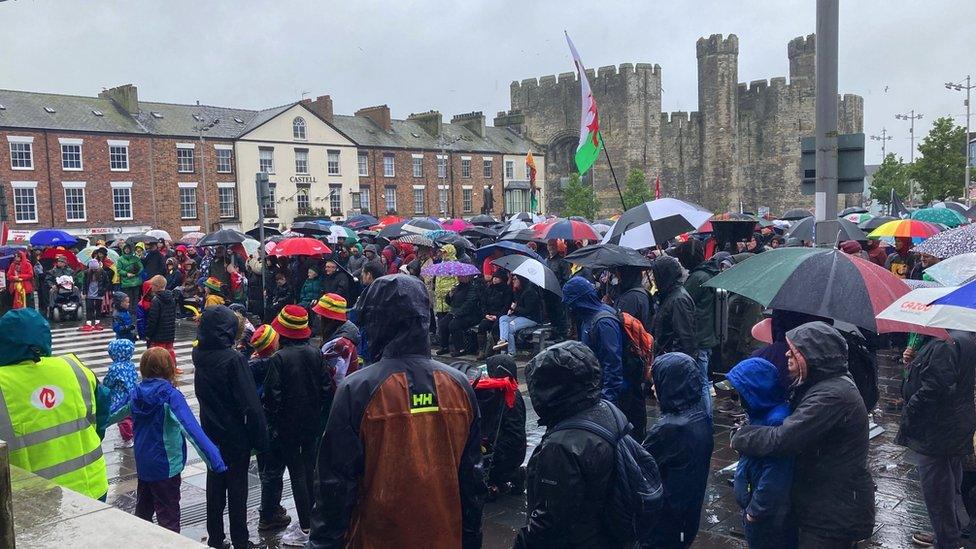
point(213, 283)
point(292, 322)
point(264, 340)
point(331, 306)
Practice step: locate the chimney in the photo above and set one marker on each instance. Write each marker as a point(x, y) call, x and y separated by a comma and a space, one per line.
point(379, 114)
point(125, 96)
point(430, 121)
point(322, 106)
point(472, 121)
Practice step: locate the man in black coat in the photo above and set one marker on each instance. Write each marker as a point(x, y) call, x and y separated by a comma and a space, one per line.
point(827, 432)
point(937, 423)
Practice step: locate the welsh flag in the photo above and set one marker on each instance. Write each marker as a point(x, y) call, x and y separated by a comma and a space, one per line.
point(590, 140)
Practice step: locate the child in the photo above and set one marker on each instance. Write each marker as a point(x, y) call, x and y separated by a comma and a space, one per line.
point(311, 289)
point(122, 322)
point(762, 485)
point(120, 381)
point(163, 421)
point(94, 289)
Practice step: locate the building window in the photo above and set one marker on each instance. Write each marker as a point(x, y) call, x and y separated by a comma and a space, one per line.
point(363, 164)
point(364, 199)
point(118, 158)
point(21, 156)
point(188, 202)
point(442, 166)
point(184, 160)
point(25, 204)
point(122, 203)
point(466, 200)
point(298, 128)
point(335, 198)
point(74, 203)
point(266, 159)
point(388, 167)
point(487, 169)
point(302, 199)
point(510, 170)
point(465, 167)
point(227, 200)
point(333, 162)
point(418, 166)
point(224, 161)
point(71, 156)
point(301, 161)
point(390, 198)
point(418, 201)
point(269, 205)
point(442, 199)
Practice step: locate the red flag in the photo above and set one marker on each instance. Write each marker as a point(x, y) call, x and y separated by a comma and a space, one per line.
point(657, 187)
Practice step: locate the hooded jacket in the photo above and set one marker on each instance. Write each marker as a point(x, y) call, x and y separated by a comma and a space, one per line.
point(402, 424)
point(230, 411)
point(161, 318)
point(599, 329)
point(681, 443)
point(297, 391)
point(121, 377)
point(674, 327)
point(502, 427)
point(571, 470)
point(827, 433)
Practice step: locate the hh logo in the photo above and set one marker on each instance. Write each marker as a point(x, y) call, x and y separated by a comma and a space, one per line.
point(47, 397)
point(423, 402)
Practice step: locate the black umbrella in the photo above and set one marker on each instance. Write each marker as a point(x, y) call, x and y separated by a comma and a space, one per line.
point(608, 255)
point(805, 229)
point(223, 237)
point(532, 270)
point(310, 227)
point(268, 231)
point(875, 222)
point(852, 210)
point(479, 232)
point(796, 214)
point(483, 220)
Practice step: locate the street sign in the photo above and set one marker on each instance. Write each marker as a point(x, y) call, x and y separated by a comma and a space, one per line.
point(850, 164)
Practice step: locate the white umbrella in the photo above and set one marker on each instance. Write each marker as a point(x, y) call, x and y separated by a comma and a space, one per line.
point(915, 308)
point(655, 222)
point(532, 270)
point(954, 270)
point(159, 233)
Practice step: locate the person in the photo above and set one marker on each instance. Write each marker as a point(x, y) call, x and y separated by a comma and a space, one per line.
point(20, 281)
point(681, 443)
point(560, 267)
point(62, 443)
point(122, 322)
point(675, 328)
point(163, 421)
point(569, 471)
point(153, 262)
point(335, 281)
point(339, 336)
point(465, 312)
point(161, 318)
point(937, 425)
point(130, 273)
point(366, 499)
point(832, 495)
point(691, 255)
point(762, 485)
point(900, 262)
point(231, 416)
point(502, 425)
point(297, 390)
point(120, 381)
point(311, 289)
point(525, 312)
point(495, 302)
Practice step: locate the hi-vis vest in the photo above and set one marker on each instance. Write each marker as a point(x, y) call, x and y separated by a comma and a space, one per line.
point(47, 418)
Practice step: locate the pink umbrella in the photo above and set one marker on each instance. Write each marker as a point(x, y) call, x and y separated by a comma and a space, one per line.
point(457, 225)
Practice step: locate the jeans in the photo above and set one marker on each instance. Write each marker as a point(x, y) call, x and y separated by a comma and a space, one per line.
point(299, 458)
point(509, 325)
point(704, 355)
point(941, 480)
point(161, 497)
point(228, 490)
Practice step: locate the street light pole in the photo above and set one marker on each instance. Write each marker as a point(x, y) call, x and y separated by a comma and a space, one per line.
point(911, 117)
point(882, 138)
point(968, 87)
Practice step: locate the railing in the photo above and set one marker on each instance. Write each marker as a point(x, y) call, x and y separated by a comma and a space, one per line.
point(6, 500)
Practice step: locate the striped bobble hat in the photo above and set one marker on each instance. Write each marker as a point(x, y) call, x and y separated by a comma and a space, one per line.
point(331, 306)
point(213, 283)
point(292, 322)
point(264, 340)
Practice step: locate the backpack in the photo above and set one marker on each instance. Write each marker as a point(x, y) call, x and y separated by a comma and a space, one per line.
point(636, 493)
point(639, 348)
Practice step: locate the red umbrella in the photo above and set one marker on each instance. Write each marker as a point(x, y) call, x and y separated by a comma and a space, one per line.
point(72, 259)
point(567, 229)
point(300, 246)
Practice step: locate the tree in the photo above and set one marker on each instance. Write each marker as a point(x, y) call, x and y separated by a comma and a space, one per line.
point(636, 190)
point(579, 198)
point(892, 174)
point(941, 169)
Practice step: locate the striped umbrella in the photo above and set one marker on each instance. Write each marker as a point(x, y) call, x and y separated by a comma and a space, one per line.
point(905, 228)
point(567, 229)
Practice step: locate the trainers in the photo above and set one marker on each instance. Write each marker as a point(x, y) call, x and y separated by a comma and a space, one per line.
point(279, 520)
point(295, 538)
point(923, 539)
point(125, 444)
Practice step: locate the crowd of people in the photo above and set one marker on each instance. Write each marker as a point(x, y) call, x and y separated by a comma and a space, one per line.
point(323, 366)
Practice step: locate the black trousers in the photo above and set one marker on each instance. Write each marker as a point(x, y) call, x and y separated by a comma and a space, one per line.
point(228, 490)
point(299, 458)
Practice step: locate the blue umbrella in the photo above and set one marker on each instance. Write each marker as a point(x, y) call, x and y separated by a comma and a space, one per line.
point(509, 248)
point(52, 237)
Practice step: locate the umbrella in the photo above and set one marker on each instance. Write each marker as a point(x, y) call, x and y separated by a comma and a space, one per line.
point(507, 247)
point(361, 221)
point(417, 240)
point(483, 220)
point(934, 307)
point(159, 234)
point(805, 229)
point(450, 268)
point(567, 229)
point(310, 227)
point(817, 281)
point(72, 260)
point(955, 270)
point(52, 237)
point(796, 214)
point(875, 222)
point(480, 232)
point(192, 238)
point(223, 237)
point(532, 270)
point(85, 255)
point(852, 210)
point(256, 232)
point(946, 216)
point(950, 243)
point(608, 255)
point(655, 222)
point(456, 225)
point(905, 228)
point(300, 246)
point(858, 218)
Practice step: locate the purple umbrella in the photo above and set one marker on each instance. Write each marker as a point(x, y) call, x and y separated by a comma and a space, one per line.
point(450, 268)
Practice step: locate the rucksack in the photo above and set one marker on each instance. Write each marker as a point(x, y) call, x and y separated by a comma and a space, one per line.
point(639, 346)
point(636, 494)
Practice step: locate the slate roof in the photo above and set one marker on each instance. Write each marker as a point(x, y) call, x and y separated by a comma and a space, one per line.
point(71, 112)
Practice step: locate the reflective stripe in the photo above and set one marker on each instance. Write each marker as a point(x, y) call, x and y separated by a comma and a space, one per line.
point(73, 464)
point(86, 388)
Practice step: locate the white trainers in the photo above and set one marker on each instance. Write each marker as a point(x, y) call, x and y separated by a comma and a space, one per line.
point(296, 537)
point(125, 444)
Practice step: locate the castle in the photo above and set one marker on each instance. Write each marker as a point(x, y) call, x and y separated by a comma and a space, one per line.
point(741, 149)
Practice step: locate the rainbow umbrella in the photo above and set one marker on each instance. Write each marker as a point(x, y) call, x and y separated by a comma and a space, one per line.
point(946, 216)
point(905, 228)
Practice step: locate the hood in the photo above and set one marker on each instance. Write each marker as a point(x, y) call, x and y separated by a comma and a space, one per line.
point(347, 330)
point(758, 384)
point(150, 395)
point(121, 350)
point(218, 328)
point(667, 273)
point(448, 252)
point(502, 366)
point(580, 295)
point(396, 311)
point(24, 335)
point(565, 379)
point(823, 347)
point(690, 253)
point(677, 382)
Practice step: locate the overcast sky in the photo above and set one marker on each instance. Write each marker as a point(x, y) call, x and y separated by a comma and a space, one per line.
point(461, 55)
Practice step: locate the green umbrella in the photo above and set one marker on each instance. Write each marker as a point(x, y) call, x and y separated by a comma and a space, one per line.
point(946, 216)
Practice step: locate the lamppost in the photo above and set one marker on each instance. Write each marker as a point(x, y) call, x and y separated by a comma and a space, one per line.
point(911, 117)
point(882, 138)
point(968, 87)
point(203, 166)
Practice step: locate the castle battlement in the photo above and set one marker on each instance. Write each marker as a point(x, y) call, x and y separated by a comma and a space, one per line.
point(715, 44)
point(570, 78)
point(802, 45)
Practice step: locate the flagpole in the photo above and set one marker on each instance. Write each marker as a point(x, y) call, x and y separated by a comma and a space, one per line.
point(620, 194)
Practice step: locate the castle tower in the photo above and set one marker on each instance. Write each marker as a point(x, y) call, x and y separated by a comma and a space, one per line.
point(718, 74)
